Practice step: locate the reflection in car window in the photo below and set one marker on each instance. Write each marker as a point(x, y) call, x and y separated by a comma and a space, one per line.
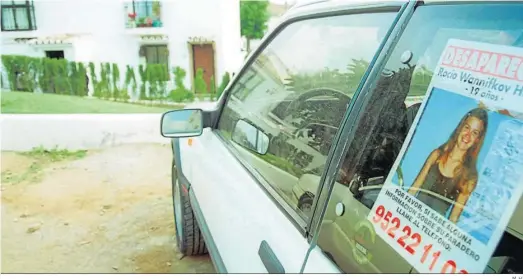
point(297, 91)
point(349, 239)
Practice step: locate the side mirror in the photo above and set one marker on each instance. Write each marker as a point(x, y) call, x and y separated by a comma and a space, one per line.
point(182, 123)
point(250, 137)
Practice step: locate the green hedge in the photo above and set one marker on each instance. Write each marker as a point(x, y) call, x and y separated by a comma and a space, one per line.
point(60, 76)
point(50, 75)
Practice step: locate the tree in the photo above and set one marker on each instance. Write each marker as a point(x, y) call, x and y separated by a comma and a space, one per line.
point(253, 18)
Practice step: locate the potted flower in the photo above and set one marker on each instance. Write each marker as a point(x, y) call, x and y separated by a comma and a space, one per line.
point(149, 22)
point(132, 19)
point(157, 23)
point(141, 22)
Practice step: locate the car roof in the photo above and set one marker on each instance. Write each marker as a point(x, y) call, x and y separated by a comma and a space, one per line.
point(306, 7)
point(309, 7)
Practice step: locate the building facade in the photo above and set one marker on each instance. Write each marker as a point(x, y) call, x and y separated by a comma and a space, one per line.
point(190, 34)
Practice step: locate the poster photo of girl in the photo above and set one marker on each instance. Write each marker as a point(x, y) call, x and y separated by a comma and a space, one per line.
point(451, 171)
point(452, 162)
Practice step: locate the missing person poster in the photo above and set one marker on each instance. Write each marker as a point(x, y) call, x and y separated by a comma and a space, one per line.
point(459, 176)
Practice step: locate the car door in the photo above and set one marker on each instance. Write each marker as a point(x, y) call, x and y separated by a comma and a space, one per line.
point(388, 107)
point(244, 170)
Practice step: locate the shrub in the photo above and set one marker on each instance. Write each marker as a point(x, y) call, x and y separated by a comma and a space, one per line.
point(73, 77)
point(104, 83)
point(116, 80)
point(164, 78)
point(61, 78)
point(212, 90)
point(130, 81)
point(180, 93)
point(150, 73)
point(82, 81)
point(143, 77)
point(21, 72)
point(94, 80)
point(223, 84)
point(45, 76)
point(200, 87)
point(157, 76)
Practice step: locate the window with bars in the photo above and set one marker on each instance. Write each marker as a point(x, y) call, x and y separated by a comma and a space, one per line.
point(156, 54)
point(143, 13)
point(18, 15)
point(143, 8)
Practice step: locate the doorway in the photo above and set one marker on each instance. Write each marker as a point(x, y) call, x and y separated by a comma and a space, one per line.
point(203, 57)
point(55, 54)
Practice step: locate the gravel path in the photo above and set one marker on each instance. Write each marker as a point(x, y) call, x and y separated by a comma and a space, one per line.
point(109, 212)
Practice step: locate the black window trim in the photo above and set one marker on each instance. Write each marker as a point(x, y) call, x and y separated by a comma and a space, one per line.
point(346, 132)
point(157, 47)
point(29, 6)
point(301, 224)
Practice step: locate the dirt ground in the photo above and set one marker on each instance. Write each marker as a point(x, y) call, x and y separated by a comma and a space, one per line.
point(108, 212)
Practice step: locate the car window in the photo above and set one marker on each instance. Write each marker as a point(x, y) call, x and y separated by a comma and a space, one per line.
point(346, 235)
point(296, 92)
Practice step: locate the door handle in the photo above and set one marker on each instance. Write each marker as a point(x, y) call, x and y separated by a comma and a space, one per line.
point(269, 259)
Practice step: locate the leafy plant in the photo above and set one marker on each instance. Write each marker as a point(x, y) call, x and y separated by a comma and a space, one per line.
point(143, 86)
point(45, 76)
point(164, 77)
point(200, 86)
point(130, 82)
point(116, 80)
point(21, 72)
point(9, 63)
point(61, 78)
point(157, 8)
point(104, 84)
point(223, 84)
point(94, 80)
point(212, 90)
point(81, 84)
point(180, 93)
point(151, 77)
point(73, 77)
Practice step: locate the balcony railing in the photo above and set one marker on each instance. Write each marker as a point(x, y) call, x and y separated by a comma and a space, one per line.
point(140, 14)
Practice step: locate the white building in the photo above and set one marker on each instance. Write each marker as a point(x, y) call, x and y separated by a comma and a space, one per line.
point(187, 33)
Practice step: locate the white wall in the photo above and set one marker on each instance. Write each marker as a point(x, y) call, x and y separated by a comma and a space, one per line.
point(100, 34)
point(23, 132)
point(230, 55)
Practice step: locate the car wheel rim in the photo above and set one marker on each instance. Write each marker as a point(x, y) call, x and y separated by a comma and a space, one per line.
point(177, 204)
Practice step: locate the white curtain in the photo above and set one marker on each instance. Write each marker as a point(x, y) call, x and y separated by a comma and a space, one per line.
point(22, 18)
point(8, 19)
point(15, 18)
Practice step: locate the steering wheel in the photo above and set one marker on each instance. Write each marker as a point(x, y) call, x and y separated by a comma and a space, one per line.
point(325, 91)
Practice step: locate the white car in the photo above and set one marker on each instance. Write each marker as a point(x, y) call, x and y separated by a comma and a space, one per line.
point(281, 174)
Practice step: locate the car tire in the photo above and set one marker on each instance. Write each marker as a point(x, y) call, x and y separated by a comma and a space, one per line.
point(189, 238)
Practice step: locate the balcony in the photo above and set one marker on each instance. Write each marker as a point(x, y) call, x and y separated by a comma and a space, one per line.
point(143, 14)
